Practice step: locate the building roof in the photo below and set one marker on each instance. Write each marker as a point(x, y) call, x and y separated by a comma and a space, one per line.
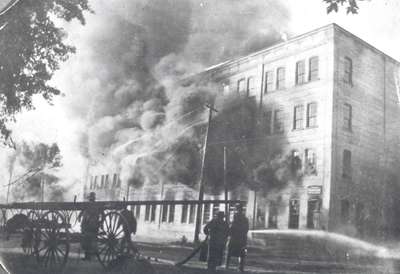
point(293, 39)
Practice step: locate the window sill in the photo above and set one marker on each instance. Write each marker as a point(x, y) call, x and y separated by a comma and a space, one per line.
point(311, 127)
point(298, 129)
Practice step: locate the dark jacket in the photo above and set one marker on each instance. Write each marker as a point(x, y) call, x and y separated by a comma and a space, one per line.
point(238, 233)
point(218, 233)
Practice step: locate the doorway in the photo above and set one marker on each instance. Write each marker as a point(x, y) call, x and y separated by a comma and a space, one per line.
point(294, 213)
point(313, 213)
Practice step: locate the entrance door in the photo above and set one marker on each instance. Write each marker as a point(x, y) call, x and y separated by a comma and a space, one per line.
point(294, 213)
point(313, 212)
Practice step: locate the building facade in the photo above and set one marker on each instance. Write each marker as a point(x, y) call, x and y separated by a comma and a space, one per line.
point(335, 99)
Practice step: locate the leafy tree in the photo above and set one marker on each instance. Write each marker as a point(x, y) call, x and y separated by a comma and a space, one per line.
point(32, 47)
point(351, 5)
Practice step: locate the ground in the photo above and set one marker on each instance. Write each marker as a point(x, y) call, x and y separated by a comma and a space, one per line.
point(163, 257)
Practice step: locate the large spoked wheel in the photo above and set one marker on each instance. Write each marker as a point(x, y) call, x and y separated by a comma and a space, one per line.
point(51, 241)
point(29, 232)
point(111, 239)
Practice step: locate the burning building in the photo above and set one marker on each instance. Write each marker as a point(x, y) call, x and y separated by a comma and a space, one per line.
point(324, 103)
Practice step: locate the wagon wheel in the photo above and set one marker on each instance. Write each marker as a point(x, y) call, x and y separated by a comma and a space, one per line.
point(51, 243)
point(28, 233)
point(111, 239)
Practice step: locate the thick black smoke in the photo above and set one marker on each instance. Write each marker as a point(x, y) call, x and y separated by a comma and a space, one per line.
point(129, 71)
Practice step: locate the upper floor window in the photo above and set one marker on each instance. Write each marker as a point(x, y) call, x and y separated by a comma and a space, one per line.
point(310, 162)
point(269, 81)
point(298, 117)
point(278, 121)
point(280, 78)
point(346, 164)
point(251, 87)
point(268, 121)
point(225, 88)
point(242, 87)
point(312, 115)
point(347, 117)
point(313, 68)
point(102, 181)
point(348, 70)
point(300, 72)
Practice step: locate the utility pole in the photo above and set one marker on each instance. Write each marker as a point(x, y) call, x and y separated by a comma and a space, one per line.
point(226, 190)
point(42, 181)
point(201, 187)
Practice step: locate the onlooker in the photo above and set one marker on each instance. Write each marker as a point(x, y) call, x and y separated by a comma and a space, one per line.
point(90, 227)
point(238, 238)
point(217, 230)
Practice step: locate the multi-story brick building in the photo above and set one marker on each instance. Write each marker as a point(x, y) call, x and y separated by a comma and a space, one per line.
point(335, 98)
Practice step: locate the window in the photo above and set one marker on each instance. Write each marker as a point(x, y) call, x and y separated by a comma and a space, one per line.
point(345, 210)
point(347, 117)
point(147, 213)
point(184, 213)
point(347, 164)
point(137, 211)
point(192, 213)
point(153, 213)
point(225, 88)
point(118, 181)
point(164, 214)
point(300, 72)
point(242, 87)
point(298, 117)
point(206, 213)
point(268, 122)
point(312, 115)
point(251, 87)
point(114, 183)
point(269, 81)
point(171, 215)
point(106, 183)
point(310, 162)
point(91, 182)
point(95, 182)
point(313, 68)
point(348, 70)
point(295, 163)
point(102, 181)
point(280, 78)
point(278, 121)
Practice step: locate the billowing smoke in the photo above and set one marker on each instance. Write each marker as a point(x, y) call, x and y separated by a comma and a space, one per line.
point(34, 166)
point(129, 70)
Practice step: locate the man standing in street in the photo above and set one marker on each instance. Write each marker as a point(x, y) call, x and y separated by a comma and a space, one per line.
point(238, 238)
point(217, 230)
point(90, 227)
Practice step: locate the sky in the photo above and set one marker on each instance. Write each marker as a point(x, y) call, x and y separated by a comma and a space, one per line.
point(376, 23)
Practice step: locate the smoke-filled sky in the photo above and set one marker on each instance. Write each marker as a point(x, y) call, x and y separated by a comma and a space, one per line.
point(121, 83)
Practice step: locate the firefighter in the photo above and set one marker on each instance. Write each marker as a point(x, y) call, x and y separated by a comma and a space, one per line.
point(217, 230)
point(238, 238)
point(129, 227)
point(90, 227)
